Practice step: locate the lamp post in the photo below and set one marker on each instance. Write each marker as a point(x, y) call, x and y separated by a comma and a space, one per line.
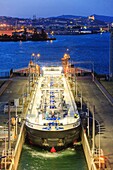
point(29, 79)
point(5, 144)
point(81, 99)
point(93, 130)
point(93, 73)
point(35, 57)
point(9, 126)
point(75, 84)
point(99, 141)
point(16, 103)
point(88, 119)
point(38, 56)
point(98, 138)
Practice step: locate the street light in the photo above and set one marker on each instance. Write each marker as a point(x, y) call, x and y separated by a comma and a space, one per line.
point(81, 99)
point(35, 58)
point(75, 80)
point(88, 120)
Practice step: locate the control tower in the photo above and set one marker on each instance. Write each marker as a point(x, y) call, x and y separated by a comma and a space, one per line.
point(111, 55)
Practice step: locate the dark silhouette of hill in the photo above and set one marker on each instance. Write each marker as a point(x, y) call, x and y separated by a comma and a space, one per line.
point(103, 18)
point(69, 16)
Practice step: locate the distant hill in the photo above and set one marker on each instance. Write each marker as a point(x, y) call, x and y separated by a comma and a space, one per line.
point(70, 16)
point(103, 18)
point(108, 19)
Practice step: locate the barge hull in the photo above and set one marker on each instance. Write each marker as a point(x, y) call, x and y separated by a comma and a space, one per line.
point(53, 138)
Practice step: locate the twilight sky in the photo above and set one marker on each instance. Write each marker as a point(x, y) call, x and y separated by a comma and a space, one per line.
point(47, 8)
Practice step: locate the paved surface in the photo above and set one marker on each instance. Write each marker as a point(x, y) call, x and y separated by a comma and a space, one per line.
point(105, 91)
point(108, 85)
point(4, 86)
point(92, 95)
point(10, 90)
point(13, 88)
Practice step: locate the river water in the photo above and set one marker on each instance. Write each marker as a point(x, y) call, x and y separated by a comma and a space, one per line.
point(94, 48)
point(33, 158)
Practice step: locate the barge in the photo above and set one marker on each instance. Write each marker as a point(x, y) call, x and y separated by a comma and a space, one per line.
point(53, 119)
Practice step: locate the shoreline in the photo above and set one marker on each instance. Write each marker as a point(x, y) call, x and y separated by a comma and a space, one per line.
point(24, 40)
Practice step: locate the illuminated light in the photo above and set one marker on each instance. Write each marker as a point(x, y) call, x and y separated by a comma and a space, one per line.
point(52, 32)
point(33, 54)
point(60, 68)
point(67, 49)
point(102, 159)
point(101, 29)
point(43, 68)
point(91, 17)
point(85, 27)
point(38, 55)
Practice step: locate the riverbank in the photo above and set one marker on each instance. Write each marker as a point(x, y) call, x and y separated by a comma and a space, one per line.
point(23, 39)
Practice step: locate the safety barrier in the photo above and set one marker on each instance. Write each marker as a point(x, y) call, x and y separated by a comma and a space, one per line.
point(18, 149)
point(94, 160)
point(87, 151)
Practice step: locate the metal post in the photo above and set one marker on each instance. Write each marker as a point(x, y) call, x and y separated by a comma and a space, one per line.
point(76, 86)
point(9, 126)
point(26, 92)
point(16, 121)
point(29, 80)
point(99, 145)
point(88, 119)
point(5, 147)
point(93, 139)
point(99, 142)
point(35, 67)
point(81, 99)
point(93, 76)
point(23, 103)
point(16, 101)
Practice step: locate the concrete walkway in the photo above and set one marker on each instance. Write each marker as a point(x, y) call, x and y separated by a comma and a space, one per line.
point(104, 91)
point(95, 94)
point(4, 86)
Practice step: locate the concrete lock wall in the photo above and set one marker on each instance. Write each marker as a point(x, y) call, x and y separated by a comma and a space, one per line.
point(19, 145)
point(87, 151)
point(18, 148)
